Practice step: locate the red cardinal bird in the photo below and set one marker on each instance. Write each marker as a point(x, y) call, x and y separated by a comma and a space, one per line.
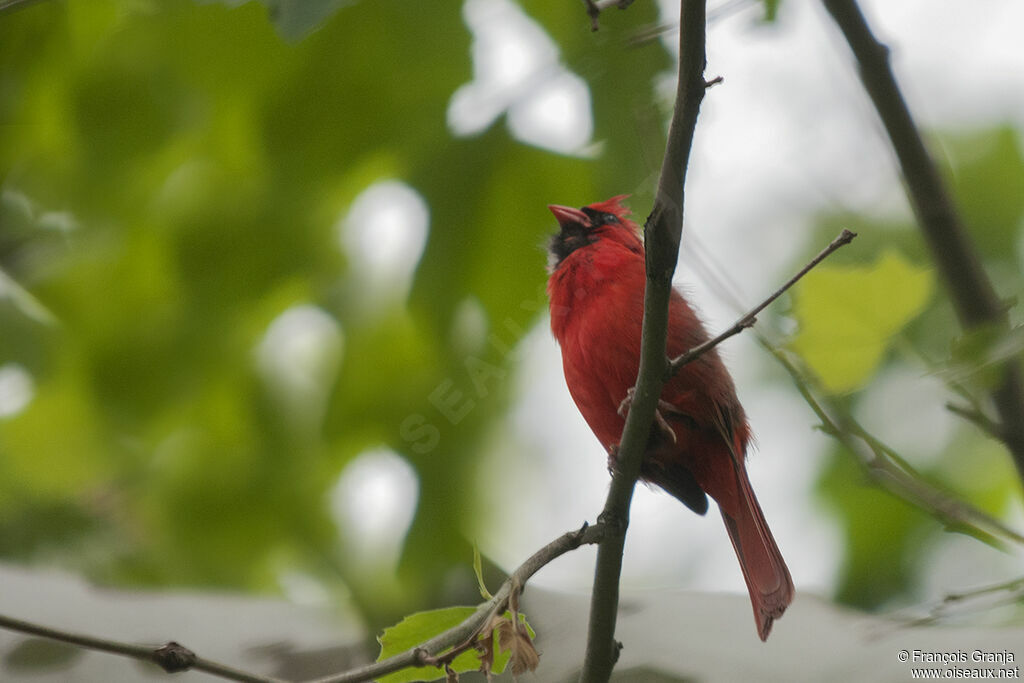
point(697, 447)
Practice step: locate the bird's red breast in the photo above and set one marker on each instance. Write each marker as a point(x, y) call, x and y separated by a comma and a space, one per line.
point(596, 291)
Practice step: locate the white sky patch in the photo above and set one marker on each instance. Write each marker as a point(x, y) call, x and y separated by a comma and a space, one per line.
point(373, 502)
point(298, 358)
point(17, 388)
point(303, 589)
point(384, 233)
point(556, 116)
point(924, 426)
point(516, 70)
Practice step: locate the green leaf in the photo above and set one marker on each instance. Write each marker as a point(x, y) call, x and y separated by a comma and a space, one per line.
point(882, 534)
point(478, 569)
point(771, 10)
point(848, 314)
point(988, 174)
point(416, 629)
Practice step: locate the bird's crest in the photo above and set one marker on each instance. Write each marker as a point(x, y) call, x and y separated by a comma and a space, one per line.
point(613, 206)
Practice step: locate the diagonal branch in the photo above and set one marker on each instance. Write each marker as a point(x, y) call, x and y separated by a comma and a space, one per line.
point(172, 658)
point(662, 233)
point(970, 289)
point(890, 470)
point(175, 658)
point(1006, 593)
point(749, 318)
point(423, 654)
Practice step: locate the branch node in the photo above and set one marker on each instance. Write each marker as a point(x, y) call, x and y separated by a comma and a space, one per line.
point(174, 657)
point(713, 82)
point(613, 523)
point(422, 658)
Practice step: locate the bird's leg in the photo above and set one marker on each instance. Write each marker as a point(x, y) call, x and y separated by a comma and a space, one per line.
point(658, 416)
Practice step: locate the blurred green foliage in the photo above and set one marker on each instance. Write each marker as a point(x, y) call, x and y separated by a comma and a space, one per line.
point(174, 176)
point(884, 536)
point(904, 322)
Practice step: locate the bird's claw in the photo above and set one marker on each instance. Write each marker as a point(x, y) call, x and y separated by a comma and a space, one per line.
point(659, 417)
point(613, 459)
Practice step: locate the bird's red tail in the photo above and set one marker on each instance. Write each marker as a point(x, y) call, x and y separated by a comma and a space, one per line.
point(766, 574)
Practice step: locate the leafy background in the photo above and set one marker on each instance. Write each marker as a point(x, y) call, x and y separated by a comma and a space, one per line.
point(197, 343)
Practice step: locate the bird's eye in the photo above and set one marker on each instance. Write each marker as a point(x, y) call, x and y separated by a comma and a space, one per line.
point(599, 217)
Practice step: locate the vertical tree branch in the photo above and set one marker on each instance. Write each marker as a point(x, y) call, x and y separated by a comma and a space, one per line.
point(662, 232)
point(974, 298)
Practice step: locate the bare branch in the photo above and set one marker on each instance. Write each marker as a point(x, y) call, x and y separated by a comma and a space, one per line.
point(1007, 593)
point(890, 470)
point(969, 287)
point(662, 233)
point(748, 319)
point(983, 421)
point(171, 657)
point(471, 628)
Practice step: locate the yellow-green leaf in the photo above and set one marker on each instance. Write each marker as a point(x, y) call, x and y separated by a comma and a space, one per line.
point(849, 314)
point(478, 569)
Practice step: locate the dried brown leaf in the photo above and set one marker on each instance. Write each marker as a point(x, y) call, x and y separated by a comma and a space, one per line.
point(513, 637)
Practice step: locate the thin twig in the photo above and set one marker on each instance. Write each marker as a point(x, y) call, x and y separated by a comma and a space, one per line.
point(748, 319)
point(890, 470)
point(445, 659)
point(1013, 590)
point(969, 287)
point(662, 233)
point(424, 654)
point(171, 657)
point(983, 422)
